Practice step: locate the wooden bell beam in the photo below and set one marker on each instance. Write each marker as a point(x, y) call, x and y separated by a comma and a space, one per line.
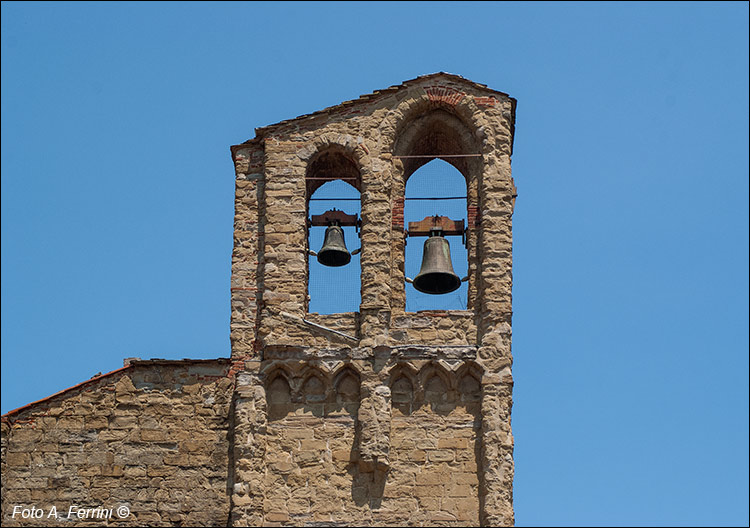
point(432, 223)
point(334, 215)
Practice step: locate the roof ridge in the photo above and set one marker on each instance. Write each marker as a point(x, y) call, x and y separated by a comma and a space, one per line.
point(59, 393)
point(366, 97)
point(98, 377)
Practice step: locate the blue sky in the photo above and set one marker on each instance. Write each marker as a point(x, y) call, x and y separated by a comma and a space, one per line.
point(630, 328)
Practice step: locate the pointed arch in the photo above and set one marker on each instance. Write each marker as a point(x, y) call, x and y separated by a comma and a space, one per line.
point(469, 387)
point(435, 179)
point(332, 162)
point(346, 383)
point(314, 387)
point(278, 395)
point(435, 133)
point(403, 384)
point(278, 389)
point(437, 384)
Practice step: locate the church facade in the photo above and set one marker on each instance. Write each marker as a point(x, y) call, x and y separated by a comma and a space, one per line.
point(379, 416)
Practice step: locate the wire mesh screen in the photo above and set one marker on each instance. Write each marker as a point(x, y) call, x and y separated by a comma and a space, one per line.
point(334, 289)
point(436, 179)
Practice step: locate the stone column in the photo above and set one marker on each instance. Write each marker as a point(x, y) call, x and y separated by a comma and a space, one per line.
point(376, 255)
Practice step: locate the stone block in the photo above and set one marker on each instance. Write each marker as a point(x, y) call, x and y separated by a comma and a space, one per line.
point(277, 516)
point(452, 443)
point(441, 455)
point(17, 459)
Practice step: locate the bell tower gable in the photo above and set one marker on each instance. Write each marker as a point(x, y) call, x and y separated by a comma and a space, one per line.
point(427, 434)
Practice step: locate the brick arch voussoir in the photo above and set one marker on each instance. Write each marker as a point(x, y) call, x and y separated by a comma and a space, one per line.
point(466, 110)
point(348, 144)
point(345, 145)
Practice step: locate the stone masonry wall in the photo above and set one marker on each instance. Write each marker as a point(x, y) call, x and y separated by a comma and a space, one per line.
point(377, 417)
point(422, 435)
point(153, 437)
point(323, 465)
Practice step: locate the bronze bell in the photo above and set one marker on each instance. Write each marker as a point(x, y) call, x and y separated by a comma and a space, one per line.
point(334, 252)
point(436, 275)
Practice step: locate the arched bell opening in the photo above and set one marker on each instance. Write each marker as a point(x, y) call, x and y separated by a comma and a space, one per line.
point(440, 161)
point(333, 184)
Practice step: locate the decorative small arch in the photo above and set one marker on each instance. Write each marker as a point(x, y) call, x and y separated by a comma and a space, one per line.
point(278, 390)
point(469, 388)
point(437, 387)
point(346, 392)
point(432, 369)
point(347, 385)
point(402, 395)
point(403, 384)
point(402, 369)
point(470, 367)
point(313, 389)
point(278, 395)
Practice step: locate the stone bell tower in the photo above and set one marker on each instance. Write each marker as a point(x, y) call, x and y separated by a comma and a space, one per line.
point(379, 416)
